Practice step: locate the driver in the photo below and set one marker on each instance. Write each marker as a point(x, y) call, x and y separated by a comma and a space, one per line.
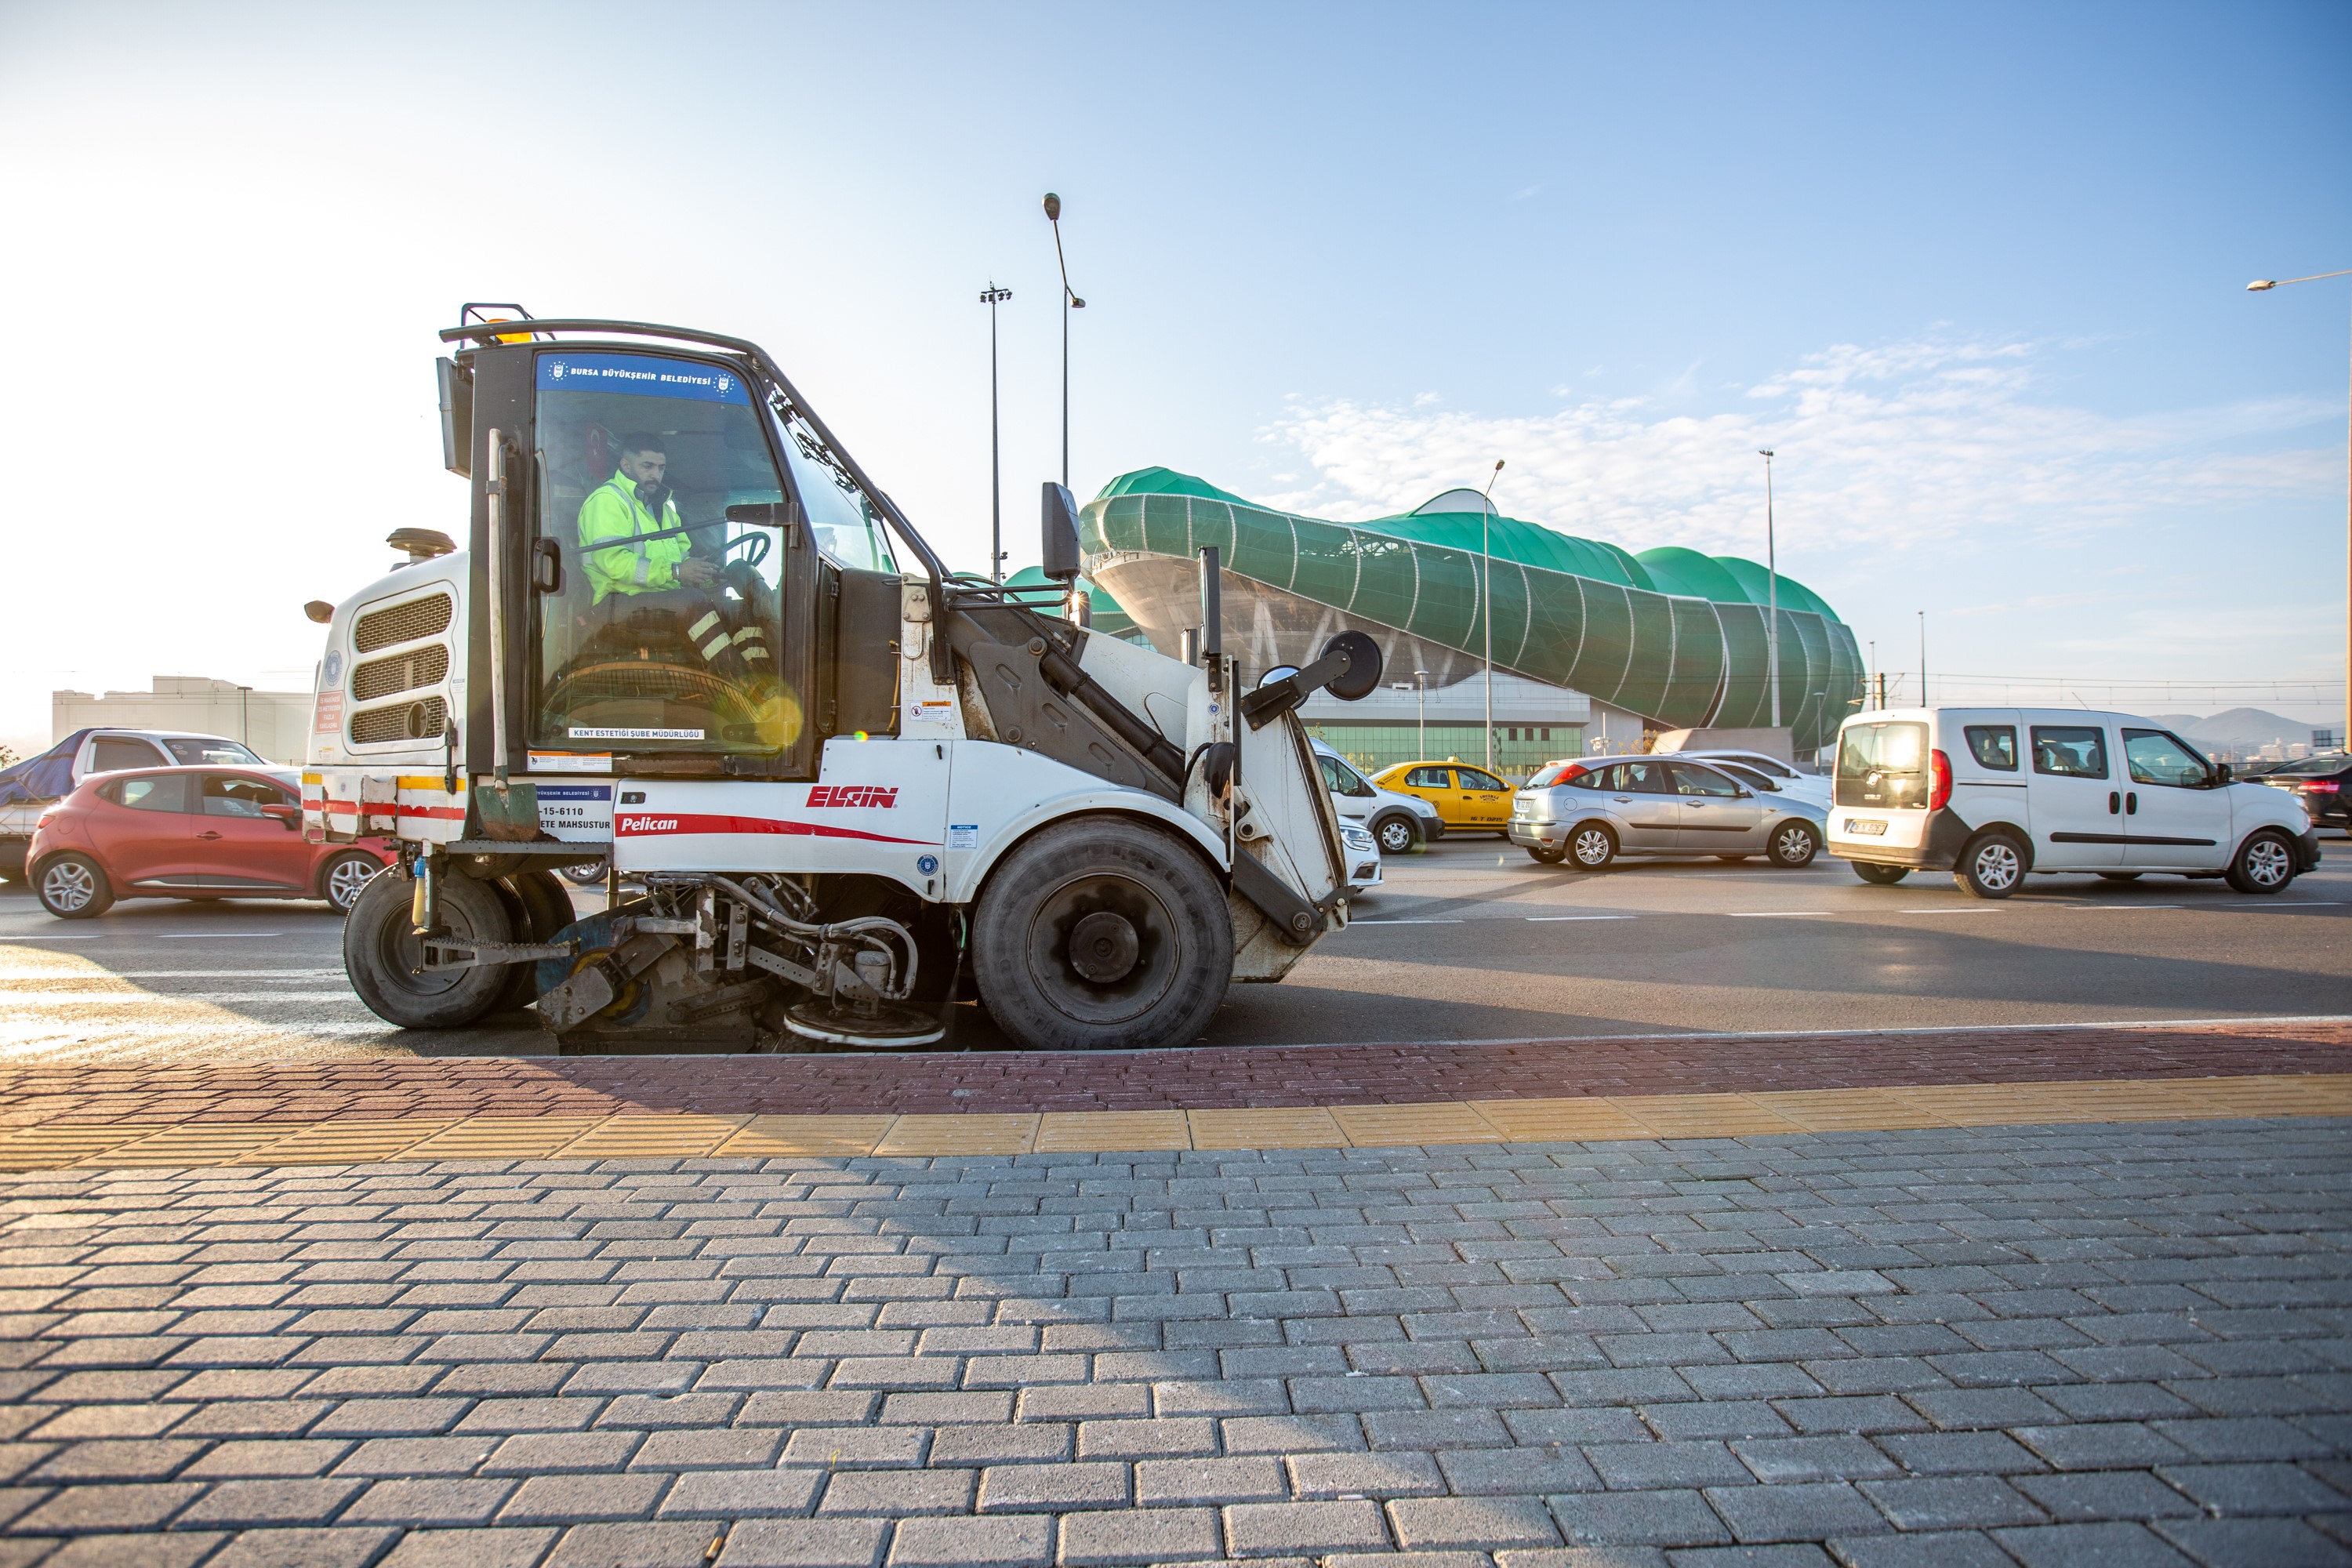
point(658, 573)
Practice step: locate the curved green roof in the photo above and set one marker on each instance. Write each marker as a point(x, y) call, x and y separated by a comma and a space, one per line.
point(1671, 633)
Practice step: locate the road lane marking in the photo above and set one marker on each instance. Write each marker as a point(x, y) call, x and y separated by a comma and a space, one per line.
point(203, 935)
point(1407, 922)
point(1781, 914)
point(1961, 910)
point(1539, 919)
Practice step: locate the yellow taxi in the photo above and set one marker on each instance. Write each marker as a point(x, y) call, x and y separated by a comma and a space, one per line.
point(1466, 799)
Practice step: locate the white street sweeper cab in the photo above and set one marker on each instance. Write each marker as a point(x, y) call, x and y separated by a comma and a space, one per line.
point(854, 791)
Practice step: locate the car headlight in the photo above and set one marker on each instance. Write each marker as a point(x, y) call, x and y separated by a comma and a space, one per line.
point(1356, 838)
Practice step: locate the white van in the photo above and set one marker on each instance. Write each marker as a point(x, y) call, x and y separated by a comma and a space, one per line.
point(1991, 794)
point(1400, 823)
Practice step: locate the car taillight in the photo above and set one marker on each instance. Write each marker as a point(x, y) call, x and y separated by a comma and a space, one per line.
point(1940, 787)
point(47, 816)
point(2321, 786)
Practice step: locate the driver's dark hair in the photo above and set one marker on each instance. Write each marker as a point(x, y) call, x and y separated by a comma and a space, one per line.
point(643, 441)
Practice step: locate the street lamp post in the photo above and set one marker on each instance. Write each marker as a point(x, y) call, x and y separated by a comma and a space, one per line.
point(1070, 301)
point(1771, 590)
point(992, 297)
point(1421, 709)
point(2261, 285)
point(1485, 601)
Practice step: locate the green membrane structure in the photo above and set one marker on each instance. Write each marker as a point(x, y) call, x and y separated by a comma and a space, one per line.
point(1674, 635)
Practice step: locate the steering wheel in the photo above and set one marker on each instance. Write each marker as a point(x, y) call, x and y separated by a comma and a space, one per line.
point(759, 538)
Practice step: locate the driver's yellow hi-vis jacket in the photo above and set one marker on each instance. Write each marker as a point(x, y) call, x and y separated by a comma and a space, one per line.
point(613, 513)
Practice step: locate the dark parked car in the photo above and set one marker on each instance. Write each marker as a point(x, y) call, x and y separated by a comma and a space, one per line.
point(190, 833)
point(2324, 784)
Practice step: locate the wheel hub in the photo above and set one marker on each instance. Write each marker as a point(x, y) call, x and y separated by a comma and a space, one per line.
point(1104, 947)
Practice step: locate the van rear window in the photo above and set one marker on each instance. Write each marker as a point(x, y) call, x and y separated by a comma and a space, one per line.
point(1883, 765)
point(1994, 746)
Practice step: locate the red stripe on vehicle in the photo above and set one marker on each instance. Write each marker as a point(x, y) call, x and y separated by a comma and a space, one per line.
point(657, 824)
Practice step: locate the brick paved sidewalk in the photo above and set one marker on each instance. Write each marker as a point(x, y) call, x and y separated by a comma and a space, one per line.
point(2046, 1345)
point(1222, 1077)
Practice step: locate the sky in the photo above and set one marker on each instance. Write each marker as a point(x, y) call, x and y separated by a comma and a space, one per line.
point(1975, 273)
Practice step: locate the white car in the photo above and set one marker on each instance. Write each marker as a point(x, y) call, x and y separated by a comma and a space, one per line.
point(1992, 793)
point(1398, 823)
point(1363, 858)
point(1788, 780)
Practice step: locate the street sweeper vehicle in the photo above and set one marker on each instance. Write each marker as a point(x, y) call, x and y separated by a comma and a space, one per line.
point(837, 789)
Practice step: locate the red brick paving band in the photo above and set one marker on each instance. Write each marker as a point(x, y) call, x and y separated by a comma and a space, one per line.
point(1208, 1078)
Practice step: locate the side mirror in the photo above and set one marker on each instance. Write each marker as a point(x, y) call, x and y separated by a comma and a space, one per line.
point(2220, 772)
point(1058, 545)
point(289, 817)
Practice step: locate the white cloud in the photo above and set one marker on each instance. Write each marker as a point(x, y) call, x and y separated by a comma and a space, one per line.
point(1899, 445)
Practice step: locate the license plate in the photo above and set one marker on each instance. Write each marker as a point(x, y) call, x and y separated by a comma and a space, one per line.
point(1862, 827)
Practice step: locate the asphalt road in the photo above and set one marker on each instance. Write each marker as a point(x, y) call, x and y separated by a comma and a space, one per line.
point(1470, 941)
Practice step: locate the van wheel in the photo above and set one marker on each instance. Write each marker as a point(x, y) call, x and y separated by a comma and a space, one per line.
point(386, 960)
point(1794, 845)
point(1100, 933)
point(1992, 867)
point(1591, 847)
point(1545, 855)
point(1398, 834)
point(2264, 864)
point(1879, 876)
point(73, 887)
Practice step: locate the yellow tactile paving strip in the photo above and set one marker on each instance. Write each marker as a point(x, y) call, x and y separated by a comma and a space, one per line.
point(1585, 1119)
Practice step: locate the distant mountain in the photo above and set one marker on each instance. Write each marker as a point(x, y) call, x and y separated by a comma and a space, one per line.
point(2243, 729)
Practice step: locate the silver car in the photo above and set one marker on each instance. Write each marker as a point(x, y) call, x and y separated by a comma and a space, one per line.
point(1588, 814)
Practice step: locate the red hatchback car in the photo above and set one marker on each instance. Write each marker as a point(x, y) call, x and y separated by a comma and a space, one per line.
point(190, 833)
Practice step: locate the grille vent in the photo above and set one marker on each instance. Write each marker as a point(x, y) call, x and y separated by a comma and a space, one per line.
point(404, 623)
point(424, 666)
point(408, 721)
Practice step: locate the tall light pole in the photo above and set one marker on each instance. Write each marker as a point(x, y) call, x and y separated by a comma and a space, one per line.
point(1485, 605)
point(1421, 709)
point(992, 297)
point(1771, 590)
point(2259, 286)
point(1070, 301)
point(1923, 659)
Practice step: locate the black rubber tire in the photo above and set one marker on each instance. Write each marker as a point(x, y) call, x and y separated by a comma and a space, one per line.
point(1993, 866)
point(1879, 876)
point(1397, 834)
point(2119, 875)
point(586, 874)
point(334, 879)
point(1591, 847)
point(76, 876)
point(1173, 909)
point(546, 910)
point(1544, 854)
point(2264, 863)
point(381, 950)
point(1793, 845)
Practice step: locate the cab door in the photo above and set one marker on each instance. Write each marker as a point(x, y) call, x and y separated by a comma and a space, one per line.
point(1434, 784)
point(2077, 802)
point(1485, 799)
point(2174, 816)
